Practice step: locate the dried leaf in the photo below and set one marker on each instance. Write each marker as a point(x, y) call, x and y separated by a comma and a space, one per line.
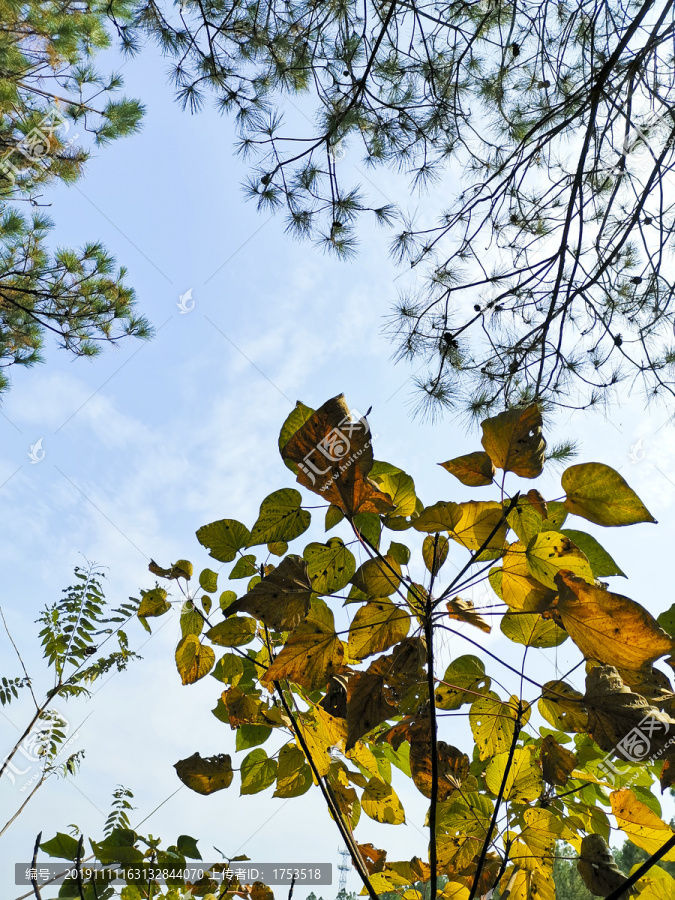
point(205, 776)
point(513, 441)
point(281, 599)
point(473, 469)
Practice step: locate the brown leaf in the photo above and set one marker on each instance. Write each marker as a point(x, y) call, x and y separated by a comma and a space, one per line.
point(473, 469)
point(334, 454)
point(609, 627)
point(453, 765)
point(372, 857)
point(513, 441)
point(242, 709)
point(538, 502)
point(596, 865)
point(557, 762)
point(335, 699)
point(463, 611)
point(374, 696)
point(281, 599)
point(205, 776)
point(615, 714)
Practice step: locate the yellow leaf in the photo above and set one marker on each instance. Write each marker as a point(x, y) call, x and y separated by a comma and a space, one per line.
point(609, 627)
point(380, 802)
point(453, 765)
point(644, 828)
point(492, 723)
point(532, 630)
point(377, 626)
point(513, 441)
point(205, 775)
point(523, 782)
point(311, 656)
point(474, 524)
point(260, 891)
point(598, 493)
point(193, 660)
point(463, 611)
point(563, 707)
point(442, 516)
point(233, 632)
point(378, 577)
point(549, 552)
point(473, 469)
point(434, 552)
point(321, 732)
point(657, 884)
point(522, 884)
point(519, 589)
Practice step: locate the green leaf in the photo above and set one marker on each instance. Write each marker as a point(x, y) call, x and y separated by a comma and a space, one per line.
point(229, 669)
point(153, 603)
point(598, 493)
point(227, 598)
point(293, 423)
point(257, 772)
point(233, 632)
point(601, 562)
point(208, 581)
point(251, 735)
point(473, 469)
point(63, 846)
point(334, 516)
point(223, 538)
point(667, 620)
point(245, 567)
point(399, 552)
point(370, 526)
point(188, 846)
point(401, 489)
point(526, 519)
point(330, 566)
point(463, 680)
point(278, 548)
point(294, 776)
point(191, 622)
point(380, 802)
point(280, 518)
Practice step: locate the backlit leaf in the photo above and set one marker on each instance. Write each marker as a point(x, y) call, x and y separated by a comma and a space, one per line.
point(154, 603)
point(378, 577)
point(513, 441)
point(463, 680)
point(557, 762)
point(549, 552)
point(598, 493)
point(531, 630)
point(280, 518)
point(601, 562)
point(233, 632)
point(334, 456)
point(609, 627)
point(492, 723)
point(524, 780)
point(208, 581)
point(463, 611)
point(644, 828)
point(435, 552)
point(294, 776)
point(311, 656)
point(330, 566)
point(380, 802)
point(205, 776)
point(377, 626)
point(223, 538)
point(193, 660)
point(281, 599)
point(258, 772)
point(473, 469)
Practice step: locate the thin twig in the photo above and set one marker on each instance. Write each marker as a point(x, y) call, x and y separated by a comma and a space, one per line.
point(290, 892)
point(25, 671)
point(78, 867)
point(433, 798)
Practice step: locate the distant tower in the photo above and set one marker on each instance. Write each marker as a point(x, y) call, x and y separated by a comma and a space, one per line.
point(343, 868)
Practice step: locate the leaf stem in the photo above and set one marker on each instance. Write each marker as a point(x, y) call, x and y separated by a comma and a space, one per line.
point(36, 889)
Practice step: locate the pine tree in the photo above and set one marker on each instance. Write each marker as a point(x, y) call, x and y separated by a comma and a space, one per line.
point(55, 105)
point(547, 263)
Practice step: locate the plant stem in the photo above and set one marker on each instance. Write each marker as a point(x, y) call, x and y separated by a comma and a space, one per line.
point(331, 802)
point(642, 870)
point(431, 682)
point(495, 814)
point(33, 865)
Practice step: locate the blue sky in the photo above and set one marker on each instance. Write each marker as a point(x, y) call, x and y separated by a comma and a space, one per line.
point(153, 440)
